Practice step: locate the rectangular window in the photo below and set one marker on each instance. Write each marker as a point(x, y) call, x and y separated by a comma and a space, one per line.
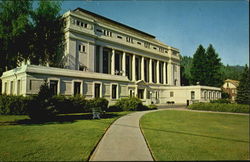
point(77, 88)
point(18, 87)
point(166, 72)
point(139, 43)
point(148, 94)
point(161, 49)
point(97, 90)
point(141, 93)
point(11, 87)
point(106, 62)
point(146, 67)
point(97, 60)
point(30, 86)
point(137, 68)
point(114, 91)
point(128, 67)
point(77, 22)
point(161, 72)
point(192, 95)
point(117, 63)
point(146, 45)
point(119, 37)
point(155, 48)
point(131, 93)
point(5, 87)
point(154, 71)
point(99, 30)
point(53, 85)
point(129, 39)
point(171, 94)
point(81, 48)
point(85, 25)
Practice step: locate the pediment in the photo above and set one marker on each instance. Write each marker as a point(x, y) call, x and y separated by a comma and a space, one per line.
point(140, 82)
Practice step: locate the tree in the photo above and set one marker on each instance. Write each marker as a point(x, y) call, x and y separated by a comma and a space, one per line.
point(48, 35)
point(232, 72)
point(14, 20)
point(186, 63)
point(199, 67)
point(214, 75)
point(243, 90)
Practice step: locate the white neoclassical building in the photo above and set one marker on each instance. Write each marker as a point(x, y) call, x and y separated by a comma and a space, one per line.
point(105, 58)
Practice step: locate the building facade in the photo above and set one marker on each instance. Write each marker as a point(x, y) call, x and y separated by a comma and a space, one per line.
point(104, 58)
point(230, 87)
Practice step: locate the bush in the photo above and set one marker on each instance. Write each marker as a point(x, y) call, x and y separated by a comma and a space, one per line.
point(130, 104)
point(114, 108)
point(41, 107)
point(220, 101)
point(222, 107)
point(152, 107)
point(97, 102)
point(14, 105)
point(77, 104)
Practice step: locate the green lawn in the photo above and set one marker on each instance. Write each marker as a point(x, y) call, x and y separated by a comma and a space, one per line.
point(69, 138)
point(183, 135)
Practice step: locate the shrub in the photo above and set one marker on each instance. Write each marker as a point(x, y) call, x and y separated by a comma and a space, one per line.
point(152, 107)
point(130, 104)
point(77, 104)
point(114, 108)
point(220, 101)
point(97, 102)
point(222, 107)
point(41, 107)
point(13, 105)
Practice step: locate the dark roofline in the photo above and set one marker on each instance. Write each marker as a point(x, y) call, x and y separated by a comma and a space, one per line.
point(102, 17)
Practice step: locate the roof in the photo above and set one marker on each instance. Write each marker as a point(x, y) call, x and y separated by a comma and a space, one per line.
point(234, 82)
point(105, 18)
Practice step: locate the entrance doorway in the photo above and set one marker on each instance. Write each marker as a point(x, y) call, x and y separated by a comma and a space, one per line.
point(140, 93)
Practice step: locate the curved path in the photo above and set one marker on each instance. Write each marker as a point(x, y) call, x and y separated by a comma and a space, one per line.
point(123, 141)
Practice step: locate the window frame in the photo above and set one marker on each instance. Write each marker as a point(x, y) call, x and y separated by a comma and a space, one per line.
point(58, 84)
point(93, 90)
point(73, 86)
point(117, 91)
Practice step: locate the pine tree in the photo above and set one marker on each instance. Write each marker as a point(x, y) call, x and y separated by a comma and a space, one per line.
point(186, 63)
point(214, 75)
point(199, 67)
point(243, 90)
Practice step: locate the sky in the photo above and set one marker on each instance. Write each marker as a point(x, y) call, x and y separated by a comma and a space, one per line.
point(183, 24)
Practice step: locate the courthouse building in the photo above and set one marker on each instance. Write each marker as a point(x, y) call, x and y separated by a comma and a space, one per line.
point(104, 58)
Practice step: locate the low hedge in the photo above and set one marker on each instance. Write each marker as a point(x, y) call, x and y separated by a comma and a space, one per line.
point(227, 101)
point(14, 105)
point(130, 104)
point(20, 105)
point(221, 107)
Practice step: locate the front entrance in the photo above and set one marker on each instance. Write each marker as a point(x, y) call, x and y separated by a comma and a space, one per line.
point(140, 93)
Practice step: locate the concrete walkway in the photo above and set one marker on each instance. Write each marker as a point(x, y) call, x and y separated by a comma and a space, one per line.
point(123, 141)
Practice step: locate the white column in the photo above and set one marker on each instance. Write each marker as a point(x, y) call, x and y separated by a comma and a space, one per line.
point(157, 71)
point(124, 64)
point(101, 59)
point(170, 75)
point(113, 62)
point(164, 73)
point(178, 75)
point(142, 69)
point(133, 68)
point(150, 70)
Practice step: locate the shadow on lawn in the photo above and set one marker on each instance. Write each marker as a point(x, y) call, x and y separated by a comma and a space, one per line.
point(197, 135)
point(59, 119)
